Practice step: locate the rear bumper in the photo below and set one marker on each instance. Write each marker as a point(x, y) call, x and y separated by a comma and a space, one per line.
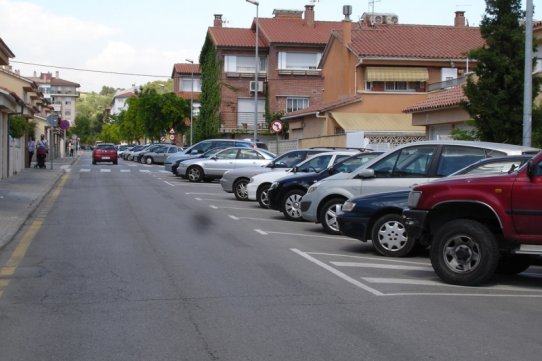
point(415, 222)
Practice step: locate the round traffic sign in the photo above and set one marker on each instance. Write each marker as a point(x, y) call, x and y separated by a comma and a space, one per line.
point(277, 126)
point(172, 137)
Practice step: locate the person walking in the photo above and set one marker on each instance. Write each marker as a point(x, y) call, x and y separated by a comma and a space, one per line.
point(31, 147)
point(42, 149)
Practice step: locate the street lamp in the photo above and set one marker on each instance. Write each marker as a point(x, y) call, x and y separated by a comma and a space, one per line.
point(191, 99)
point(256, 73)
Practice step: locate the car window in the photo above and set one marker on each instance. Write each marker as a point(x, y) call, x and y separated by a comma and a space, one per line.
point(201, 148)
point(502, 166)
point(227, 154)
point(106, 147)
point(290, 159)
point(408, 162)
point(249, 154)
point(454, 158)
point(316, 164)
point(173, 150)
point(352, 163)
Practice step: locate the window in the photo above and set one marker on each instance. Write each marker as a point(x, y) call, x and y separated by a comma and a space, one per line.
point(296, 103)
point(301, 61)
point(186, 84)
point(243, 64)
point(408, 163)
point(394, 86)
point(249, 154)
point(454, 158)
point(316, 164)
point(227, 154)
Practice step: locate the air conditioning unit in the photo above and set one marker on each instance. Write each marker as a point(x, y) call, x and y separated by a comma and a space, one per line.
point(253, 86)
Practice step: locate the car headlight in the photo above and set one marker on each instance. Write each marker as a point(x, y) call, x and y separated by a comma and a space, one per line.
point(348, 206)
point(312, 188)
point(414, 198)
point(273, 185)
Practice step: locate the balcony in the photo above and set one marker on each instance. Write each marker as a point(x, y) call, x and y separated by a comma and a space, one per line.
point(452, 83)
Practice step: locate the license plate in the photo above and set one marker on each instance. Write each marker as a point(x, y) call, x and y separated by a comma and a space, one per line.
point(105, 157)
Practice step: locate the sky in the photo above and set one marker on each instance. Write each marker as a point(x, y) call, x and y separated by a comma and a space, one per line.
point(147, 37)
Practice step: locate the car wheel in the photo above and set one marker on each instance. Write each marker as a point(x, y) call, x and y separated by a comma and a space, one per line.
point(291, 204)
point(194, 174)
point(261, 195)
point(389, 236)
point(513, 264)
point(149, 160)
point(464, 252)
point(240, 189)
point(328, 215)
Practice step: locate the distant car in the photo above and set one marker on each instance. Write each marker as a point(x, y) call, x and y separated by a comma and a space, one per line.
point(201, 147)
point(104, 152)
point(235, 181)
point(207, 154)
point(404, 166)
point(159, 154)
point(128, 155)
point(259, 184)
point(285, 194)
point(138, 156)
point(378, 216)
point(207, 169)
point(121, 149)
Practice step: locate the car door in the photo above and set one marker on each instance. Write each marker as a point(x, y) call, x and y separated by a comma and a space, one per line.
point(160, 158)
point(527, 203)
point(250, 158)
point(221, 162)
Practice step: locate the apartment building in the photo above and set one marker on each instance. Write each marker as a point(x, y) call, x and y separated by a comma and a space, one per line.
point(290, 47)
point(187, 83)
point(61, 93)
point(120, 99)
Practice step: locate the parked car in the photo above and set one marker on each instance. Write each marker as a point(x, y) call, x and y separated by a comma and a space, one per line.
point(137, 156)
point(477, 226)
point(104, 152)
point(378, 216)
point(207, 169)
point(159, 154)
point(401, 168)
point(205, 145)
point(235, 181)
point(207, 154)
point(123, 149)
point(259, 184)
point(285, 194)
point(128, 155)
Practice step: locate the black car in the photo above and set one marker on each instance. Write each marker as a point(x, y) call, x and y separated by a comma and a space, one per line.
point(285, 194)
point(378, 216)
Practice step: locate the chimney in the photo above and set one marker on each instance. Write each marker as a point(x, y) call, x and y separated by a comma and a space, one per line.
point(309, 15)
point(347, 25)
point(459, 21)
point(218, 21)
point(57, 74)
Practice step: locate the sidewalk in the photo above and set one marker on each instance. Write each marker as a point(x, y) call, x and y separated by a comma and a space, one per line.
point(21, 194)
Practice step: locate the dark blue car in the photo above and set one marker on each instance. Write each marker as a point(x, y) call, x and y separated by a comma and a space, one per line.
point(378, 216)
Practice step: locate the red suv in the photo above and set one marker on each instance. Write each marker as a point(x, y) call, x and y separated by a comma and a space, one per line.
point(104, 152)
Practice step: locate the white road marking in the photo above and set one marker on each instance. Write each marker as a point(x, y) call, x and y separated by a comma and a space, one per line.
point(213, 207)
point(105, 170)
point(381, 266)
point(125, 170)
point(84, 170)
point(166, 182)
point(240, 208)
point(261, 232)
point(338, 273)
point(233, 217)
point(144, 171)
point(300, 234)
point(163, 171)
point(405, 281)
point(193, 193)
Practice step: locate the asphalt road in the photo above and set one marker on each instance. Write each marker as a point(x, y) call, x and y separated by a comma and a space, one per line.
point(128, 262)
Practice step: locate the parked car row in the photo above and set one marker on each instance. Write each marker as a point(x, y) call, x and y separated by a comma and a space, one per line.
point(360, 194)
point(154, 153)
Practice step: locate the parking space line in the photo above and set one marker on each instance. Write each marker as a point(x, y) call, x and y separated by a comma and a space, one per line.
point(261, 232)
point(144, 171)
point(170, 184)
point(338, 273)
point(381, 266)
point(261, 219)
point(105, 170)
point(84, 170)
point(125, 170)
point(297, 234)
point(239, 208)
point(196, 193)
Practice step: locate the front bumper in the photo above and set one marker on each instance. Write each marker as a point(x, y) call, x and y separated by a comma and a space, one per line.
point(307, 211)
point(353, 225)
point(415, 222)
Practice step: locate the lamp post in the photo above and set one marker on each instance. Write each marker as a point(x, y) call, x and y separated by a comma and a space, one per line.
point(256, 73)
point(191, 99)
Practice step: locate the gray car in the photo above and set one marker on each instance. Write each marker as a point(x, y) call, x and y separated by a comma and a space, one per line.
point(159, 154)
point(207, 169)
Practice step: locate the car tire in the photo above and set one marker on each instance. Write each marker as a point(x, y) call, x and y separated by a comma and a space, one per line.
point(240, 189)
point(291, 205)
point(389, 236)
point(328, 215)
point(149, 160)
point(261, 195)
point(464, 252)
point(513, 264)
point(195, 174)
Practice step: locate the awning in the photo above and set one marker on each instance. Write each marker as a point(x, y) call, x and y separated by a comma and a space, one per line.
point(374, 73)
point(376, 122)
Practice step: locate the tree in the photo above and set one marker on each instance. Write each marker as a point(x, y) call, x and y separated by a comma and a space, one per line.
point(208, 122)
point(496, 93)
point(107, 91)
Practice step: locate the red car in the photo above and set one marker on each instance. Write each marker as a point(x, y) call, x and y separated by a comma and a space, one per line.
point(104, 152)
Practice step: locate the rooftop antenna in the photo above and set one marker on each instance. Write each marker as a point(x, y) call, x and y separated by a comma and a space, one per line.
point(372, 6)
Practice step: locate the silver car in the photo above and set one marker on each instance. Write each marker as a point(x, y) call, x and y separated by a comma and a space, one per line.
point(159, 155)
point(207, 169)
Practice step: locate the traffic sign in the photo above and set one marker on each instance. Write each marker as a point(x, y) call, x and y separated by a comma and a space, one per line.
point(171, 137)
point(276, 126)
point(172, 131)
point(52, 120)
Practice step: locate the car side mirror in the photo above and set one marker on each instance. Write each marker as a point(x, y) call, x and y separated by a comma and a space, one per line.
point(366, 173)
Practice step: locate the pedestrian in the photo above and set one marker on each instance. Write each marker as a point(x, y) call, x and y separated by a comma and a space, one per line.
point(42, 149)
point(70, 149)
point(31, 147)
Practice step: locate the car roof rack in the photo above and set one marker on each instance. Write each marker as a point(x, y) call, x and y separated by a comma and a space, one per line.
point(344, 148)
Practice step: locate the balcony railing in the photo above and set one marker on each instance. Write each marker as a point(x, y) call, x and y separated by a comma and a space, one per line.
point(446, 84)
